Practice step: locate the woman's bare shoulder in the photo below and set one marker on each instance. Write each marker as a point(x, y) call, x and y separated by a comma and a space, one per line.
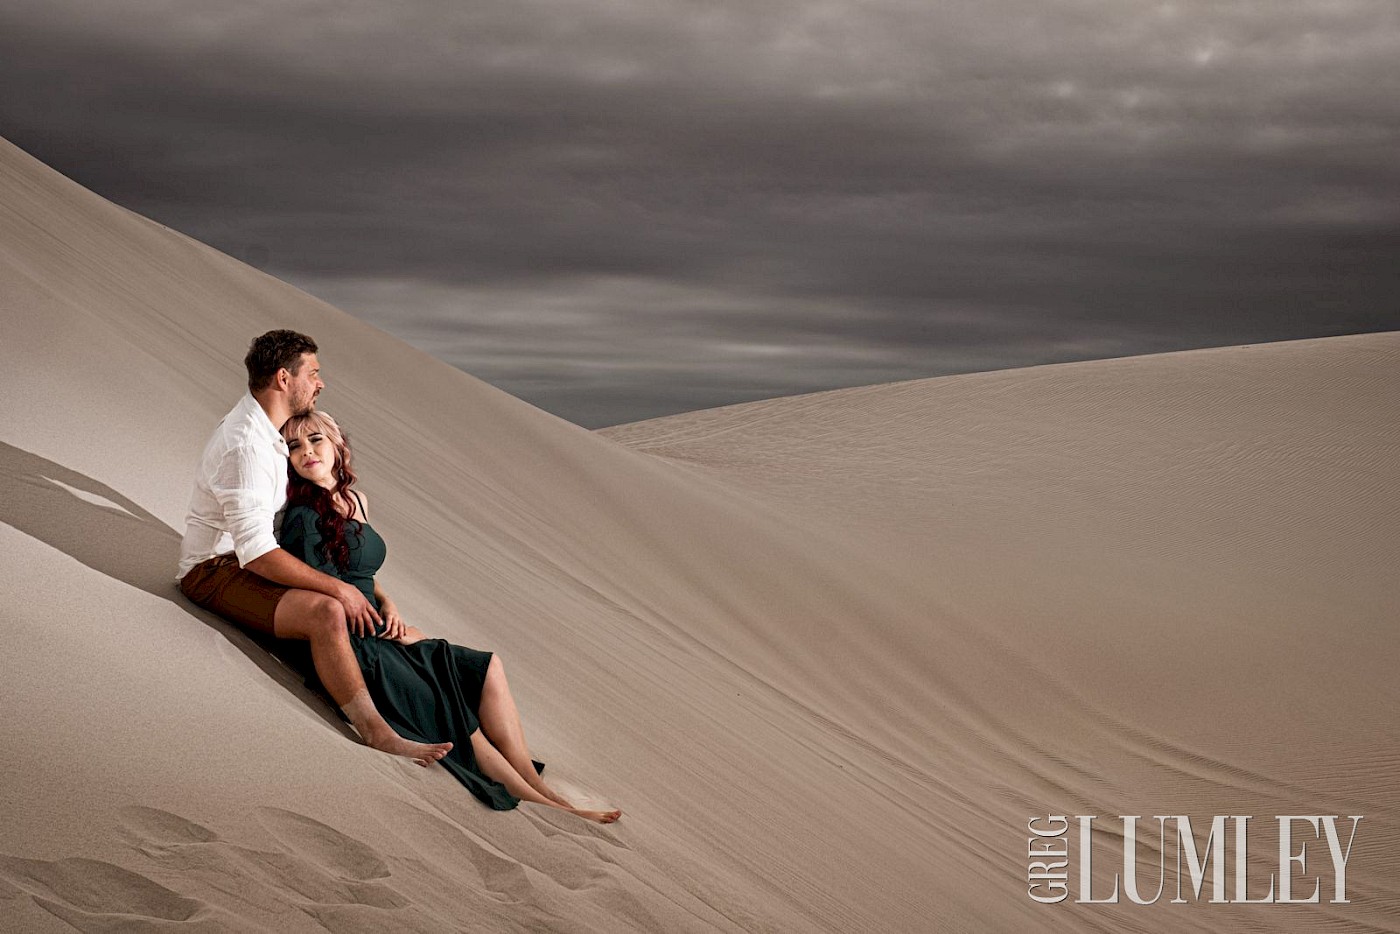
point(364, 504)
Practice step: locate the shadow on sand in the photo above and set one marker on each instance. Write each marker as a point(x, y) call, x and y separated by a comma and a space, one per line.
point(97, 526)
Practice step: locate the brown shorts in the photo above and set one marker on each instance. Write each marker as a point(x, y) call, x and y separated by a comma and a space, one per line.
point(221, 586)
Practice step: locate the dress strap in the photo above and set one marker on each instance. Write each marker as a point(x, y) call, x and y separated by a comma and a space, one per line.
point(356, 494)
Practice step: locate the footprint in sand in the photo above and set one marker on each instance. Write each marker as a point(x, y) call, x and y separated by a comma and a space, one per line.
point(357, 868)
point(503, 877)
point(100, 897)
point(322, 844)
point(154, 829)
point(318, 868)
point(552, 823)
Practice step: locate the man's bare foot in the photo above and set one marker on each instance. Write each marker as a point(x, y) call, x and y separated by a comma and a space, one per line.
point(425, 754)
point(378, 734)
point(601, 817)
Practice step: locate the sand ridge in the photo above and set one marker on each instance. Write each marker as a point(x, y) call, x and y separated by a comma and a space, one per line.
point(828, 653)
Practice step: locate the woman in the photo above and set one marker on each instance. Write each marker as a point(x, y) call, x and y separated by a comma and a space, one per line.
point(427, 689)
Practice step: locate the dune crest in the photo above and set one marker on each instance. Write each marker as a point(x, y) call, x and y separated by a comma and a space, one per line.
point(828, 653)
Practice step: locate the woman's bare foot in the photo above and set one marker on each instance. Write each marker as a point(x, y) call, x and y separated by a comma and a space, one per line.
point(494, 764)
point(601, 817)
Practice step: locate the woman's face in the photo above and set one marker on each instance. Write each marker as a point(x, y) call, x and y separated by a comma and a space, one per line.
point(313, 458)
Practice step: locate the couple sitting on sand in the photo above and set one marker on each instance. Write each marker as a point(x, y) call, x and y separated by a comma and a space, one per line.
point(402, 691)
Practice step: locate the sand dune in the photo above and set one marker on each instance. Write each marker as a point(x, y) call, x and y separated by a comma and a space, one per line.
point(829, 653)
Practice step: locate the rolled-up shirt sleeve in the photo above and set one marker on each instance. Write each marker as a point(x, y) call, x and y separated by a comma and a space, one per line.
point(242, 483)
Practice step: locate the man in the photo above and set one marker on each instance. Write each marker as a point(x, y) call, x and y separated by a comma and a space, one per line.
point(230, 562)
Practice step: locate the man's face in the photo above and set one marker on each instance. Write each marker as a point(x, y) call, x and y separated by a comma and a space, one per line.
point(306, 385)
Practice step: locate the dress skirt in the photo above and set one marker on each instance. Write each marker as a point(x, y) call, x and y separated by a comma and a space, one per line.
point(429, 692)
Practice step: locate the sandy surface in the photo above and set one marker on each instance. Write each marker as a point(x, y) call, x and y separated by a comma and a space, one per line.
point(829, 653)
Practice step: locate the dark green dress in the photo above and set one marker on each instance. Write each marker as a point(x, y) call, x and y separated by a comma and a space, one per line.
point(429, 691)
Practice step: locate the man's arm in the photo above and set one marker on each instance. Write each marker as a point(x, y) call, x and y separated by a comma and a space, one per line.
point(239, 484)
point(282, 568)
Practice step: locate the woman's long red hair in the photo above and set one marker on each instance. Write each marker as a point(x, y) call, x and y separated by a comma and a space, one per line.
point(330, 521)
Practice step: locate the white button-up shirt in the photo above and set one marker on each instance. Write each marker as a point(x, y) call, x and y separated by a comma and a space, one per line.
point(240, 490)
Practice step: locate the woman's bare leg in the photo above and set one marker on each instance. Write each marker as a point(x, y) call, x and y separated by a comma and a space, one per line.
point(496, 767)
point(501, 721)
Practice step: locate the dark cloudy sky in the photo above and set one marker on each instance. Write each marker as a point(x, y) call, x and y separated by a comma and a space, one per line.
point(628, 208)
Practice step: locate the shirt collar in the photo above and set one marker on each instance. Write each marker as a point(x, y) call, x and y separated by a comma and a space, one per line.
point(264, 424)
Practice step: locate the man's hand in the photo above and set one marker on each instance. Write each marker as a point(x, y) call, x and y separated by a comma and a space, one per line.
point(362, 618)
point(394, 626)
point(283, 568)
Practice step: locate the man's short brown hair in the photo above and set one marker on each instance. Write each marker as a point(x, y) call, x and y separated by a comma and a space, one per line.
point(273, 351)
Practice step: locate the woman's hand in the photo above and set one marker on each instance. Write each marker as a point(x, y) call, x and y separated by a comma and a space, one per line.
point(394, 626)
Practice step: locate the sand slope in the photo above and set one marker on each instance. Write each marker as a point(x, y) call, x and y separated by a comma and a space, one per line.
point(829, 653)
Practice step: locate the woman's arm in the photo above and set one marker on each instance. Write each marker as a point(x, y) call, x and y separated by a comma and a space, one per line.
point(396, 629)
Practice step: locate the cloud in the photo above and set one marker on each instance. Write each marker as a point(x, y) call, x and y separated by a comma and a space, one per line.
point(725, 200)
